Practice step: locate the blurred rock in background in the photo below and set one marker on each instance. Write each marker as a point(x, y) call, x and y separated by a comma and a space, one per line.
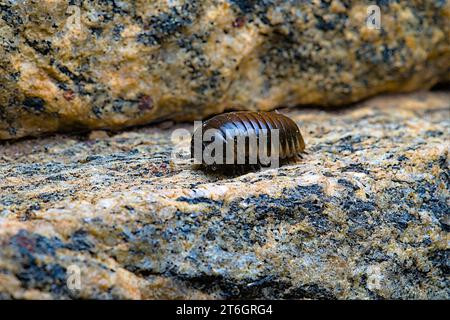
point(112, 64)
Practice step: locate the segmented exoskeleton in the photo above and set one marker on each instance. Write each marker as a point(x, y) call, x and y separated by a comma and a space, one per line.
point(244, 137)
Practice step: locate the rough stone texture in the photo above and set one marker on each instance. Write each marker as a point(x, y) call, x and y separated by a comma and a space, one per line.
point(135, 62)
point(364, 215)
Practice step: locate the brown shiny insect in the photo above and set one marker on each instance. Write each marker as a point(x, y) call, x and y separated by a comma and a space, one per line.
point(238, 142)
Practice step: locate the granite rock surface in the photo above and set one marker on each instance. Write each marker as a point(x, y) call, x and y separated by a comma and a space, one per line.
point(79, 65)
point(364, 215)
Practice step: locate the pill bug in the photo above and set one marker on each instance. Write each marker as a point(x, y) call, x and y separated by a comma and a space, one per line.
point(257, 130)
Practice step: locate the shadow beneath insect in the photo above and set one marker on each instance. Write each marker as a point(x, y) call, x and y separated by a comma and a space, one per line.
point(230, 171)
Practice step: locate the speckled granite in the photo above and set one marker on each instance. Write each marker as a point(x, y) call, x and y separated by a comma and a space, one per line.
point(134, 62)
point(364, 215)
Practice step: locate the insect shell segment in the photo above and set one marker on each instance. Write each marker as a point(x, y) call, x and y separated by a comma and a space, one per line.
point(245, 141)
